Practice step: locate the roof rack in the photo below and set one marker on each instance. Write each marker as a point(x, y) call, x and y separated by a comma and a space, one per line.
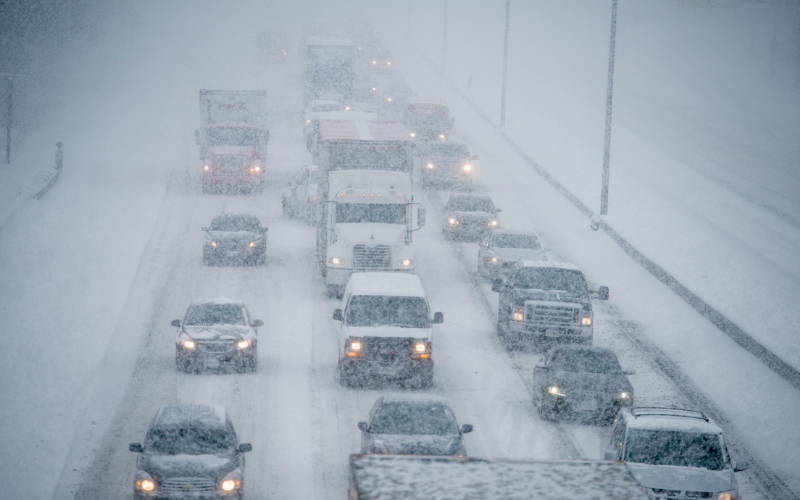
point(667, 412)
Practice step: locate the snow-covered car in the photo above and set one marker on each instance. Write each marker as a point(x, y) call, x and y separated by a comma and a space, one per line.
point(413, 425)
point(192, 452)
point(216, 333)
point(545, 302)
point(504, 247)
point(446, 164)
point(581, 381)
point(235, 239)
point(674, 453)
point(300, 198)
point(469, 216)
point(385, 330)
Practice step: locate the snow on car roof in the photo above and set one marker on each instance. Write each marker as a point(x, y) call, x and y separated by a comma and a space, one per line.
point(218, 300)
point(670, 419)
point(388, 477)
point(188, 416)
point(415, 398)
point(547, 263)
point(393, 284)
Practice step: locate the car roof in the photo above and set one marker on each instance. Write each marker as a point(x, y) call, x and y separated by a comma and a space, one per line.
point(190, 416)
point(415, 399)
point(385, 283)
point(218, 300)
point(516, 232)
point(549, 263)
point(671, 419)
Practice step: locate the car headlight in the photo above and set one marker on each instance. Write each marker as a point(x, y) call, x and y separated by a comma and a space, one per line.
point(587, 318)
point(555, 391)
point(624, 395)
point(355, 345)
point(256, 168)
point(144, 481)
point(336, 261)
point(492, 223)
point(467, 168)
point(430, 166)
point(405, 262)
point(252, 244)
point(206, 168)
point(308, 121)
point(232, 481)
point(188, 343)
point(441, 136)
point(354, 348)
point(727, 495)
point(494, 260)
point(412, 134)
point(452, 221)
point(244, 344)
point(519, 314)
point(213, 243)
point(314, 198)
point(422, 349)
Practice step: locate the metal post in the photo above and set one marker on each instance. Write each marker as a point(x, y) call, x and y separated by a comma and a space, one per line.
point(444, 34)
point(609, 94)
point(8, 123)
point(408, 19)
point(59, 156)
point(505, 68)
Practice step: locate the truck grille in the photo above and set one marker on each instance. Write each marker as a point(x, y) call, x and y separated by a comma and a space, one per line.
point(388, 351)
point(187, 485)
point(231, 163)
point(215, 346)
point(551, 315)
point(379, 257)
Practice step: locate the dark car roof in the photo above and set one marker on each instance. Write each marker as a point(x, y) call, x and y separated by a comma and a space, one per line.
point(190, 416)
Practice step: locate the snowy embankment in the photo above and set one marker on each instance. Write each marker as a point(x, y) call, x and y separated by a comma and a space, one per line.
point(735, 385)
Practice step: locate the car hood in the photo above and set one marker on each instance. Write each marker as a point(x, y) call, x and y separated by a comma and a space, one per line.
point(233, 235)
point(405, 444)
point(388, 331)
point(583, 382)
point(514, 254)
point(670, 477)
point(521, 295)
point(371, 234)
point(218, 332)
point(184, 465)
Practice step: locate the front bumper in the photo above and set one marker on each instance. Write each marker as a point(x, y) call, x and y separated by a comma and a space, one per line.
point(237, 253)
point(244, 180)
point(373, 369)
point(549, 333)
point(590, 405)
point(156, 495)
point(198, 358)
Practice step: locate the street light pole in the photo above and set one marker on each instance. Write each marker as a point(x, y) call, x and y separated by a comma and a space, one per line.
point(505, 68)
point(444, 34)
point(609, 94)
point(8, 123)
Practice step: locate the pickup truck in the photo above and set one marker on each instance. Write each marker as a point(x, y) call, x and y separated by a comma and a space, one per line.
point(545, 302)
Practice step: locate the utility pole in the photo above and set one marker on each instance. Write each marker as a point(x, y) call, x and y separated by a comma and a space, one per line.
point(408, 19)
point(9, 115)
point(609, 94)
point(505, 68)
point(444, 34)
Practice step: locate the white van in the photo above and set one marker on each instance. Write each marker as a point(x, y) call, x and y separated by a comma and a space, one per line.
point(385, 330)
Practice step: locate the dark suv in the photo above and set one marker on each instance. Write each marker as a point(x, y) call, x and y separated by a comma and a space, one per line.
point(190, 451)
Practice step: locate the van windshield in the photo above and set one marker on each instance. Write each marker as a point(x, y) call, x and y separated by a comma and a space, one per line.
point(367, 212)
point(378, 310)
point(685, 449)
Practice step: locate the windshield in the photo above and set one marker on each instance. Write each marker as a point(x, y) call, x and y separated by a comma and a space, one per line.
point(574, 360)
point(395, 158)
point(215, 314)
point(366, 212)
point(538, 278)
point(235, 223)
point(232, 136)
point(378, 310)
point(469, 204)
point(528, 241)
point(686, 449)
point(190, 441)
point(405, 418)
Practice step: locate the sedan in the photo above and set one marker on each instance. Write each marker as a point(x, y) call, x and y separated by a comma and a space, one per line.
point(413, 425)
point(215, 333)
point(581, 381)
point(505, 247)
point(469, 216)
point(235, 238)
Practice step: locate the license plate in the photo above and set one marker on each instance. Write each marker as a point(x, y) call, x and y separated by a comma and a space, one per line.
point(553, 332)
point(211, 363)
point(232, 253)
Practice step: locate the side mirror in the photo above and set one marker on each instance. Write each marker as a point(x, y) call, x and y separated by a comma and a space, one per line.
point(609, 456)
point(421, 216)
point(363, 426)
point(474, 157)
point(438, 318)
point(541, 364)
point(204, 229)
point(337, 315)
point(135, 447)
point(466, 428)
point(741, 464)
point(245, 447)
point(629, 372)
point(257, 323)
point(602, 293)
point(264, 230)
point(197, 136)
point(176, 323)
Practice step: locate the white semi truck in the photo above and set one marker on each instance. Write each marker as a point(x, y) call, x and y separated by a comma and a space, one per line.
point(365, 220)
